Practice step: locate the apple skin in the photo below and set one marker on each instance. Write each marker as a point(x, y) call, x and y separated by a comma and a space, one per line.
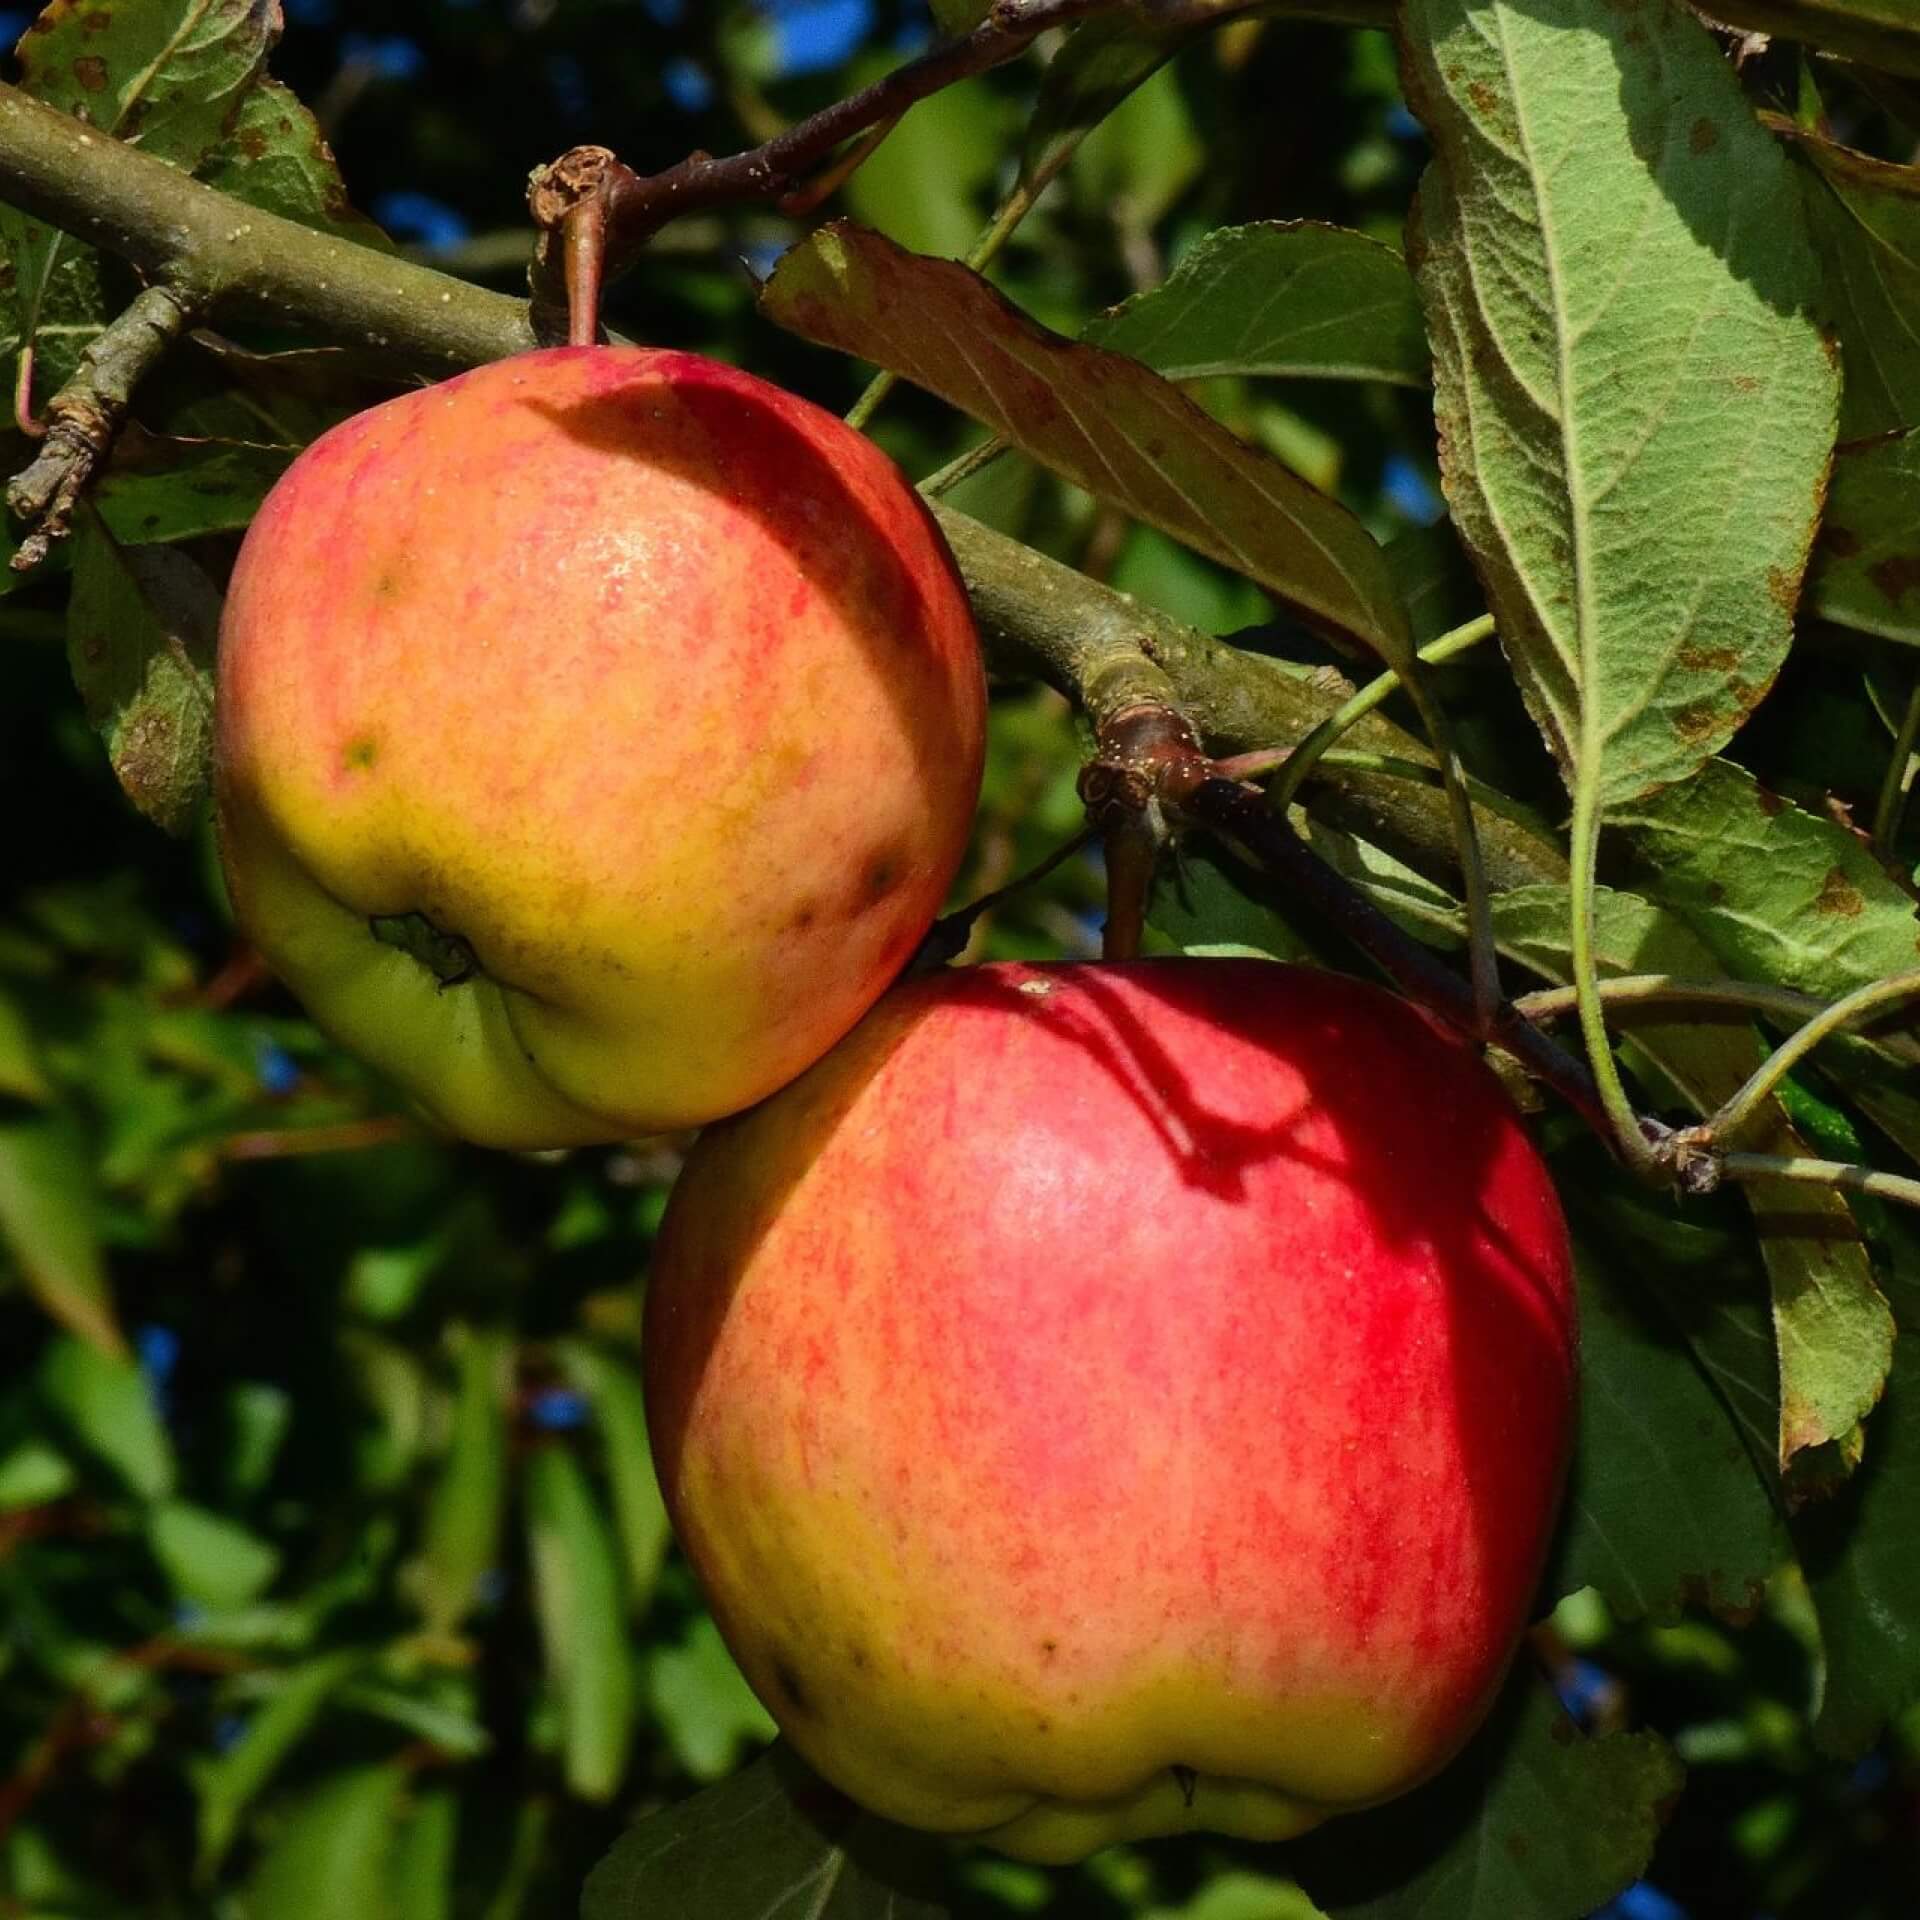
point(1107, 1401)
point(653, 684)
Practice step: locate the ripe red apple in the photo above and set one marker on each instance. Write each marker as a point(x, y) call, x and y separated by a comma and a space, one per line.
point(598, 733)
point(1104, 1401)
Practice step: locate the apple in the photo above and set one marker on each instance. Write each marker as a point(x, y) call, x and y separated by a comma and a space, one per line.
point(1107, 1401)
point(597, 735)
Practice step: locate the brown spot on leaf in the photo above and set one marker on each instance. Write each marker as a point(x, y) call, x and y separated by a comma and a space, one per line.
point(1783, 587)
point(1483, 97)
point(1745, 383)
point(1770, 802)
point(1709, 659)
point(1703, 136)
point(1897, 576)
point(91, 71)
point(1699, 720)
point(1839, 896)
point(97, 21)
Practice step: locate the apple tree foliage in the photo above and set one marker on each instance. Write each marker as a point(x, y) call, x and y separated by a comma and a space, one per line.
point(333, 1576)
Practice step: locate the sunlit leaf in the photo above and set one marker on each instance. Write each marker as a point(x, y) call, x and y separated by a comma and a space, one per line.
point(272, 154)
point(620, 1412)
point(329, 1859)
point(703, 1703)
point(49, 1224)
point(209, 1559)
point(1096, 418)
point(104, 1401)
point(467, 1511)
point(1287, 298)
point(1636, 406)
point(577, 1590)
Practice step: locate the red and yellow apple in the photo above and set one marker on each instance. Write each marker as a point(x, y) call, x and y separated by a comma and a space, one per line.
point(1104, 1401)
point(598, 733)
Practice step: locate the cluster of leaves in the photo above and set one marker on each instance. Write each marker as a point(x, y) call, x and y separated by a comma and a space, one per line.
point(333, 1575)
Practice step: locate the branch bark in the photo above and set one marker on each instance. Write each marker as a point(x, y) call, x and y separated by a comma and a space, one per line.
point(1038, 617)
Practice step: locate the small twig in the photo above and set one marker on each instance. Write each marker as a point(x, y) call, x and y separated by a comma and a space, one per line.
point(1892, 809)
point(964, 467)
point(807, 199)
point(950, 936)
point(1822, 1173)
point(1856, 1006)
point(584, 239)
point(569, 200)
point(639, 205)
point(23, 414)
point(85, 415)
point(349, 1136)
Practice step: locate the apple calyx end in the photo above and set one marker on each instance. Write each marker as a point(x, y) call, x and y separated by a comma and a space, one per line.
point(449, 958)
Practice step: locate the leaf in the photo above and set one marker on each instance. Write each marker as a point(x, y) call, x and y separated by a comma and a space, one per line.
point(583, 1628)
point(160, 75)
point(104, 1401)
point(273, 155)
point(703, 1703)
point(930, 183)
point(49, 1212)
point(620, 1412)
point(424, 1858)
point(21, 1075)
point(32, 1474)
point(1533, 1822)
point(1880, 33)
point(1664, 1509)
point(1866, 568)
point(464, 1520)
point(1285, 298)
point(159, 489)
point(1861, 1554)
point(209, 1560)
point(1774, 892)
point(1832, 1326)
point(1636, 408)
point(141, 630)
point(1095, 418)
point(773, 1842)
point(329, 1861)
point(1865, 219)
point(1103, 61)
point(229, 1784)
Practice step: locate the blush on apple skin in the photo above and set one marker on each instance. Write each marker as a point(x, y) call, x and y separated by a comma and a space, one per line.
point(1101, 1401)
point(653, 685)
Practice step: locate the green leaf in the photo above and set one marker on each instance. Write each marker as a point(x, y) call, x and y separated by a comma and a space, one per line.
point(104, 1401)
point(210, 1561)
point(1832, 1325)
point(1636, 407)
point(465, 1517)
point(1774, 892)
point(620, 1412)
point(229, 1784)
point(141, 630)
point(1866, 569)
point(773, 1842)
point(1102, 62)
point(1865, 218)
point(929, 183)
point(1665, 1509)
point(1141, 158)
point(1095, 418)
point(1242, 1896)
point(1861, 1553)
point(703, 1703)
point(272, 154)
point(49, 1224)
point(160, 489)
point(32, 1474)
point(1294, 299)
point(329, 1860)
point(583, 1626)
point(424, 1858)
point(1469, 1845)
point(161, 75)
point(1880, 33)
point(21, 1074)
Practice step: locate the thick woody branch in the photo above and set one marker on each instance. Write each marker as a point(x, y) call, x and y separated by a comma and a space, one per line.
point(1037, 616)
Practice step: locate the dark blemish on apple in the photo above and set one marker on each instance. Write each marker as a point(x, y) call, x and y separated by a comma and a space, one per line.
point(789, 1684)
point(860, 1661)
point(360, 753)
point(883, 874)
point(1048, 1648)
